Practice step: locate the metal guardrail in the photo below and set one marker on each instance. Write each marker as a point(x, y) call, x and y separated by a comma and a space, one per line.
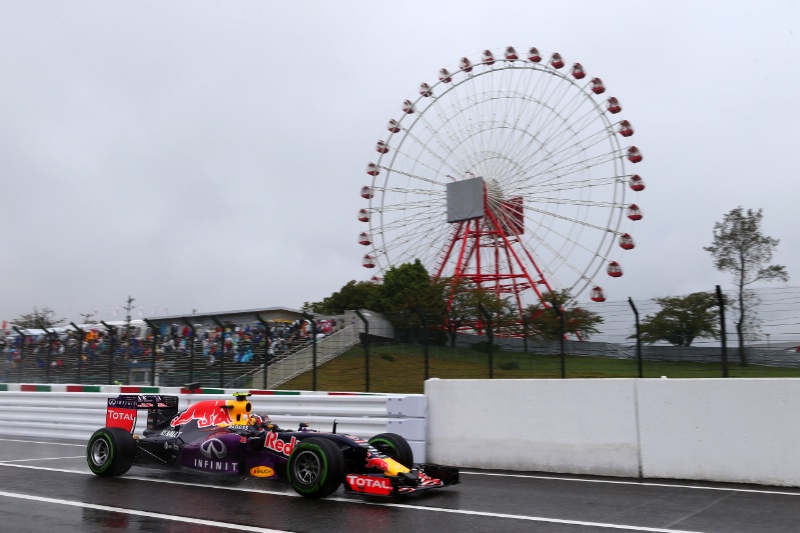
point(76, 415)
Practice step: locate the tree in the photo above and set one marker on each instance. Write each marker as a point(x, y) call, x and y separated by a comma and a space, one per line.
point(406, 290)
point(465, 308)
point(38, 319)
point(682, 319)
point(740, 249)
point(544, 322)
point(354, 295)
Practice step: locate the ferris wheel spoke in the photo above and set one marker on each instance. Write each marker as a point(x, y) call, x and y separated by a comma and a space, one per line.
point(575, 201)
point(415, 176)
point(562, 260)
point(427, 149)
point(573, 221)
point(556, 172)
point(563, 153)
point(580, 184)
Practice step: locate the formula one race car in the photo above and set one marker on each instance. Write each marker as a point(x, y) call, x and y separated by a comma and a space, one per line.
point(225, 437)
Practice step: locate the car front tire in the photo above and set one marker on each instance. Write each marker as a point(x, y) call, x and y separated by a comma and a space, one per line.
point(316, 467)
point(394, 446)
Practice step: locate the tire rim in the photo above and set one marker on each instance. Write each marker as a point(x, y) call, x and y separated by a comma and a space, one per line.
point(100, 452)
point(307, 467)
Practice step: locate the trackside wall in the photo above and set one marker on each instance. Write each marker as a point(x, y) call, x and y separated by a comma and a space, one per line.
point(732, 430)
point(577, 426)
point(66, 412)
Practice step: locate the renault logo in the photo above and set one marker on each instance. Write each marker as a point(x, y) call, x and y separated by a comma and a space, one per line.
point(213, 448)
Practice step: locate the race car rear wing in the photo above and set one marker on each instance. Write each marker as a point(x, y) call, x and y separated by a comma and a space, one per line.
point(122, 411)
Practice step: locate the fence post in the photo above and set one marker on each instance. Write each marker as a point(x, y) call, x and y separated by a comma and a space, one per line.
point(638, 338)
point(193, 333)
point(49, 335)
point(22, 337)
point(112, 332)
point(221, 351)
point(313, 350)
point(561, 334)
point(267, 345)
point(153, 349)
point(366, 349)
point(424, 340)
point(721, 303)
point(81, 334)
point(490, 336)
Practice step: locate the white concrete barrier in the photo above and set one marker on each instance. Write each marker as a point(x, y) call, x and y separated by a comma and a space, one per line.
point(735, 430)
point(578, 426)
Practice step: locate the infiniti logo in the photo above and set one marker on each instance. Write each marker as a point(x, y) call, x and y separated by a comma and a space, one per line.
point(213, 448)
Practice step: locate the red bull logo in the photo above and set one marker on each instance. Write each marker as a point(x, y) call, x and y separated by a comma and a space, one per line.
point(207, 413)
point(275, 444)
point(377, 462)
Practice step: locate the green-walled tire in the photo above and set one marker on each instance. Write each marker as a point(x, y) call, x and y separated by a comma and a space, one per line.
point(316, 467)
point(110, 452)
point(394, 446)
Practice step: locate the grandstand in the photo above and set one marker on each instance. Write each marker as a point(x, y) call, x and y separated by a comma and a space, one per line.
point(249, 348)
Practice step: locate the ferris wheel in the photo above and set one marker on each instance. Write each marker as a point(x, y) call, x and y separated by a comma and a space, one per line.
point(509, 171)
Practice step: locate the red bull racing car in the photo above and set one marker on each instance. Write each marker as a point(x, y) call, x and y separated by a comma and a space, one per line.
point(226, 437)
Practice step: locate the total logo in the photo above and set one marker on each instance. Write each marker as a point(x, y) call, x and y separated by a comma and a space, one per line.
point(374, 485)
point(275, 444)
point(116, 415)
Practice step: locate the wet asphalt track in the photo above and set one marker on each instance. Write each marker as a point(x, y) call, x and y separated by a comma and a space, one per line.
point(47, 487)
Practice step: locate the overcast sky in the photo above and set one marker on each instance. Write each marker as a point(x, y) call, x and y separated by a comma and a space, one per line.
point(209, 155)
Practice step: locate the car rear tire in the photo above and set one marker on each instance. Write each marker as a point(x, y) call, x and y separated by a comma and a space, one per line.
point(394, 446)
point(110, 452)
point(316, 467)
